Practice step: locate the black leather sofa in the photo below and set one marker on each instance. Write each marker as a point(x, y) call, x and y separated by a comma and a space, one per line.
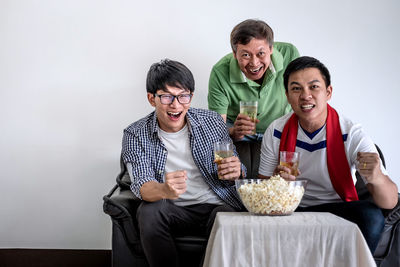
point(387, 254)
point(121, 205)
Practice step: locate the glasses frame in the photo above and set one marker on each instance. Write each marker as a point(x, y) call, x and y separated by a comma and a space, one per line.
point(173, 98)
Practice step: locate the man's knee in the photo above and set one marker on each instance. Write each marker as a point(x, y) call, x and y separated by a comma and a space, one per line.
point(372, 217)
point(371, 223)
point(146, 209)
point(151, 213)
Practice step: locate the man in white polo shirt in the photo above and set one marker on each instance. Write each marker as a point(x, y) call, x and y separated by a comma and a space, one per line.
point(331, 148)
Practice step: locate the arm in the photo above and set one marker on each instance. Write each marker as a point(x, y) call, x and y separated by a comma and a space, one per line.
point(381, 187)
point(146, 183)
point(174, 185)
point(365, 158)
point(217, 96)
point(218, 100)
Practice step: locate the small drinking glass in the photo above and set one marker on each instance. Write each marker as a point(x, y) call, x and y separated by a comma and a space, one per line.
point(249, 108)
point(222, 149)
point(290, 160)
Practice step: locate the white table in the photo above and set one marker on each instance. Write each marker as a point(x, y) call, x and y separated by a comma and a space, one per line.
point(301, 239)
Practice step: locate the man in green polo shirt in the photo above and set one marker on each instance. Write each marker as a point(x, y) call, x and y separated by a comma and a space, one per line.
point(253, 71)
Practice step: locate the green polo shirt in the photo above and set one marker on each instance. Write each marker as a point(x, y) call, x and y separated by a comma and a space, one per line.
point(228, 86)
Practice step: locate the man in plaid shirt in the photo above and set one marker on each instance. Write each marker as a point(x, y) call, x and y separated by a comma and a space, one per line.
point(170, 159)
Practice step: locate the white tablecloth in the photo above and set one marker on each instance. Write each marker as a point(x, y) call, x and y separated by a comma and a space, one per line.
point(301, 239)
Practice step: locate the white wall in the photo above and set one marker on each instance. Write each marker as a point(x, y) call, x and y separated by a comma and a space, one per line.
point(72, 76)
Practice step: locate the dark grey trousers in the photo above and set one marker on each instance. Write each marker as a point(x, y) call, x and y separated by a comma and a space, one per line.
point(160, 221)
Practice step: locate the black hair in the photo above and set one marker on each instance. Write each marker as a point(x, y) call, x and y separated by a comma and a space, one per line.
point(249, 29)
point(305, 63)
point(169, 73)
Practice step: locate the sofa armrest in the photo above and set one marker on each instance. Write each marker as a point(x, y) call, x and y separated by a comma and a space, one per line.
point(393, 215)
point(121, 205)
point(387, 251)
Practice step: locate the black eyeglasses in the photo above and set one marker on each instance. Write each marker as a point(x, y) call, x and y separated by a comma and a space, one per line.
point(168, 99)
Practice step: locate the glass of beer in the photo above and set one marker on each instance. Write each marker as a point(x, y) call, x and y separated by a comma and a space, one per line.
point(249, 108)
point(290, 160)
point(222, 149)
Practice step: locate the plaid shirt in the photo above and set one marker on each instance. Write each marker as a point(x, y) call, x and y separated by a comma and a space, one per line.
point(142, 147)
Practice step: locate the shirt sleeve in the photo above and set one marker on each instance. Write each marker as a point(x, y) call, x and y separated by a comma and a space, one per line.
point(269, 154)
point(289, 52)
point(217, 97)
point(295, 53)
point(137, 161)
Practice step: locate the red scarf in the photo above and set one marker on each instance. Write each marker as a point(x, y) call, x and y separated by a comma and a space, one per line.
point(338, 167)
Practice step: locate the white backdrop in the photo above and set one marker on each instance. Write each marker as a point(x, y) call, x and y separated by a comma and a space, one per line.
point(72, 76)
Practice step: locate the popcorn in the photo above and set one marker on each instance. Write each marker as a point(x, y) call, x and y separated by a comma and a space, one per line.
point(274, 196)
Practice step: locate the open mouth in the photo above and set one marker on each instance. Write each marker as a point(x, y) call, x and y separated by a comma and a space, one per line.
point(255, 70)
point(174, 115)
point(307, 107)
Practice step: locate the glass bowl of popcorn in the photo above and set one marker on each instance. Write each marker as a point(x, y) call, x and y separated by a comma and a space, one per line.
point(274, 196)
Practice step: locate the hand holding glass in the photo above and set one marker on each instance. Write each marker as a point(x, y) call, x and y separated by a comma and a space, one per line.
point(249, 108)
point(222, 149)
point(290, 160)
